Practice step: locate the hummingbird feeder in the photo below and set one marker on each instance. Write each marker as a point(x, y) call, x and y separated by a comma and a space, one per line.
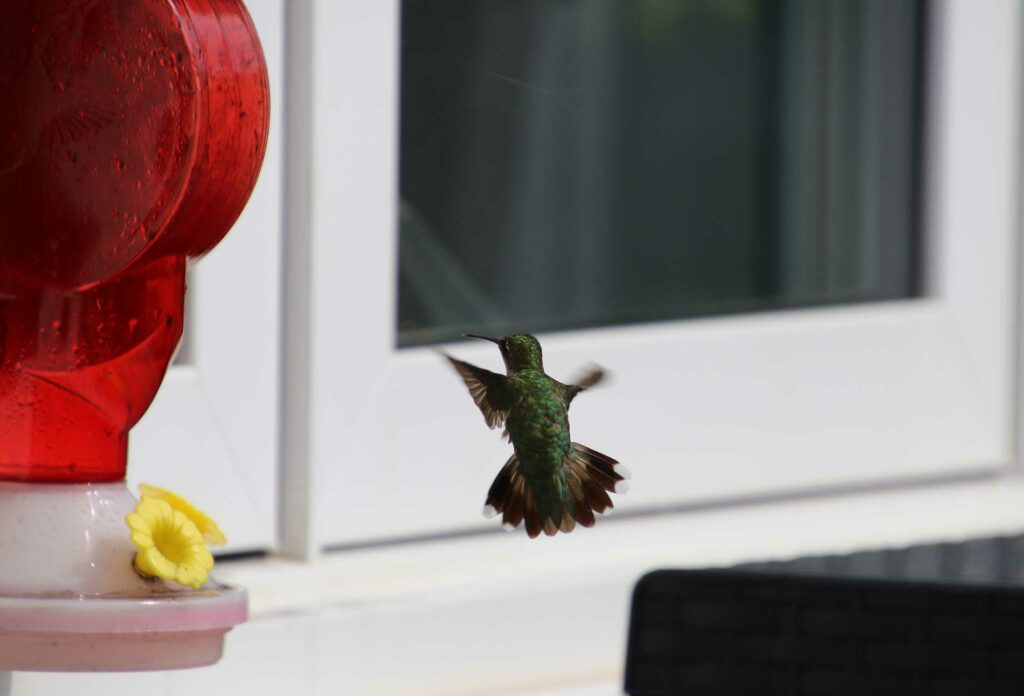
point(131, 135)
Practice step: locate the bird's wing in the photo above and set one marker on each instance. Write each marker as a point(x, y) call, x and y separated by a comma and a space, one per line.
point(490, 391)
point(588, 379)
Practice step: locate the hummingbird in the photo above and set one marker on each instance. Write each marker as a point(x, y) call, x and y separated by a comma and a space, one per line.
point(549, 482)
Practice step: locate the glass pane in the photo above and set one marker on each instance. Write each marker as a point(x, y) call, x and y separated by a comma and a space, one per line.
point(578, 163)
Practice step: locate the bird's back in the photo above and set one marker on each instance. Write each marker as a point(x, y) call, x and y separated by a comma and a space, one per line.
point(538, 424)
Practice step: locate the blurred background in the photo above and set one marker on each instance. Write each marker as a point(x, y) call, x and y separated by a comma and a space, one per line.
point(788, 228)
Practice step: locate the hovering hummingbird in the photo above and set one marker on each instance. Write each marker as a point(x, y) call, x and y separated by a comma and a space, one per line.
point(549, 481)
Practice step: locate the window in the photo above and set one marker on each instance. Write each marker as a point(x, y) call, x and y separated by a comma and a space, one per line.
point(575, 164)
point(703, 410)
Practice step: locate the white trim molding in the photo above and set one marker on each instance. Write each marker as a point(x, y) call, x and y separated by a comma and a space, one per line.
point(212, 431)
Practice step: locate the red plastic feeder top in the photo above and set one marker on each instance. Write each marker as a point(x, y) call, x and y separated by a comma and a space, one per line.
point(131, 135)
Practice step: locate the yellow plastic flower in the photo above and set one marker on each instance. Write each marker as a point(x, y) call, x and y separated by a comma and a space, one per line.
point(170, 546)
point(207, 527)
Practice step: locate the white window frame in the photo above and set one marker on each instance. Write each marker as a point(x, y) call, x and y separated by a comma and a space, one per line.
point(707, 410)
point(212, 432)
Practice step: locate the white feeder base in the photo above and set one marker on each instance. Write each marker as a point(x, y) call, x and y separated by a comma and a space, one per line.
point(70, 600)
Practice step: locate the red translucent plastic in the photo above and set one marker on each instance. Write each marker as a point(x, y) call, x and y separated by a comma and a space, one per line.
point(131, 135)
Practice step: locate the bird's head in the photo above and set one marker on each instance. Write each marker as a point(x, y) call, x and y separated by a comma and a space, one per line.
point(519, 351)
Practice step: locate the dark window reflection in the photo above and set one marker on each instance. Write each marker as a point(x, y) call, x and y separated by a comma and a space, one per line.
point(576, 163)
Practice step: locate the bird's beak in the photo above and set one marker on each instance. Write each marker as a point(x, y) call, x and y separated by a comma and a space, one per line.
point(483, 338)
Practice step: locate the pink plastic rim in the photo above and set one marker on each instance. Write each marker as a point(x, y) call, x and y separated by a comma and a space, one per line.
point(195, 611)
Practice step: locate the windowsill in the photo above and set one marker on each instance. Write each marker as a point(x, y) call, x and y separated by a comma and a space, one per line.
point(549, 614)
point(620, 550)
point(507, 616)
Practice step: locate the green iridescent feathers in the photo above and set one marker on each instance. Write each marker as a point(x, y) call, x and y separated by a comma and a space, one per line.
point(551, 483)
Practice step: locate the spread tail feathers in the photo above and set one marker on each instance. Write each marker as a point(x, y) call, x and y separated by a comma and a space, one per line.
point(576, 491)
